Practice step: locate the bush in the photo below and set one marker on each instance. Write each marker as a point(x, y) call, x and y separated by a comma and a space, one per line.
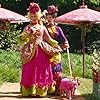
point(96, 60)
point(8, 37)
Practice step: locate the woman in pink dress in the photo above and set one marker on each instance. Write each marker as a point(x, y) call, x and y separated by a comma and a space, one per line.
point(36, 49)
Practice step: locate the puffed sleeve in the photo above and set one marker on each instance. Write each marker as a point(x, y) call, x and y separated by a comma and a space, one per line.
point(62, 38)
point(47, 37)
point(61, 35)
point(23, 37)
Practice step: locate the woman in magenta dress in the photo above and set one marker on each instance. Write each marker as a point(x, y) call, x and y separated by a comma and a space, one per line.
point(37, 76)
point(57, 34)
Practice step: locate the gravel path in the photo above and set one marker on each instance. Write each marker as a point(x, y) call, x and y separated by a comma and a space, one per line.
point(10, 91)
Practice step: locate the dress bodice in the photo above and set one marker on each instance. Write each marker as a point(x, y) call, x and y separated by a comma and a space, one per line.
point(37, 36)
point(35, 33)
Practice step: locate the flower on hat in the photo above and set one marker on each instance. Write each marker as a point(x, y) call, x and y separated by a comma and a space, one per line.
point(33, 8)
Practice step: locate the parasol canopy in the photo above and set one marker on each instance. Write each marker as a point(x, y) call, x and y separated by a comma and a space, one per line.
point(7, 15)
point(84, 18)
point(83, 14)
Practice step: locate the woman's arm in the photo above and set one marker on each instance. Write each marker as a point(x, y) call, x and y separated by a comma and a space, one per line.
point(47, 37)
point(62, 37)
point(23, 38)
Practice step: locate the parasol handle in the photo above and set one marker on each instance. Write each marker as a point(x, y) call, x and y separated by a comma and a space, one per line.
point(69, 62)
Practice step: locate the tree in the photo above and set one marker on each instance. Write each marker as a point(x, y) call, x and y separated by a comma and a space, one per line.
point(64, 6)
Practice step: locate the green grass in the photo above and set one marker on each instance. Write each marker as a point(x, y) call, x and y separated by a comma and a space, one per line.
point(10, 69)
point(76, 63)
point(9, 66)
point(86, 89)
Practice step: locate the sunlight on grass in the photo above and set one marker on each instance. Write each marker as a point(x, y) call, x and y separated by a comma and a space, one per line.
point(86, 88)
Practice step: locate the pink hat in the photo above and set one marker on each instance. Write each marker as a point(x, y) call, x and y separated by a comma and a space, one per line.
point(52, 9)
point(33, 8)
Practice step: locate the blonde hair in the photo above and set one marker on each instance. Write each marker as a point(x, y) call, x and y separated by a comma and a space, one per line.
point(38, 14)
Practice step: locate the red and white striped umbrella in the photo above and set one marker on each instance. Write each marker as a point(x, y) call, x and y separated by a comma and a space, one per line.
point(7, 15)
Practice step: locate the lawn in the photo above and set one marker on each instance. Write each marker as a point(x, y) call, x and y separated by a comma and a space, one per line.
point(10, 65)
point(10, 68)
point(76, 63)
point(86, 88)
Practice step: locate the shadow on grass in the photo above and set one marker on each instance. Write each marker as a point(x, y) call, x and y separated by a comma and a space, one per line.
point(90, 97)
point(17, 95)
point(9, 93)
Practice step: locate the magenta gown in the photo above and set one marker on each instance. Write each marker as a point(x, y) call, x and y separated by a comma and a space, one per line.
point(37, 78)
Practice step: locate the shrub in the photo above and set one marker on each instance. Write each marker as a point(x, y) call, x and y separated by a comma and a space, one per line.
point(96, 60)
point(8, 37)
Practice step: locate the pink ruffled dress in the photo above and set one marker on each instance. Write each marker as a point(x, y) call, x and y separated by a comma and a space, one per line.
point(37, 77)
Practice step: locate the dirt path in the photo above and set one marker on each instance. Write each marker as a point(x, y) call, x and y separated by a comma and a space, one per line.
point(10, 91)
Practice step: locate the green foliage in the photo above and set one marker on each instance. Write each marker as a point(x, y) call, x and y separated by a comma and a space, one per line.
point(74, 37)
point(19, 6)
point(93, 38)
point(64, 6)
point(96, 2)
point(96, 60)
point(9, 66)
point(8, 37)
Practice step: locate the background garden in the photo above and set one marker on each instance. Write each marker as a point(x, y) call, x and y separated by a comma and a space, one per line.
point(10, 64)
